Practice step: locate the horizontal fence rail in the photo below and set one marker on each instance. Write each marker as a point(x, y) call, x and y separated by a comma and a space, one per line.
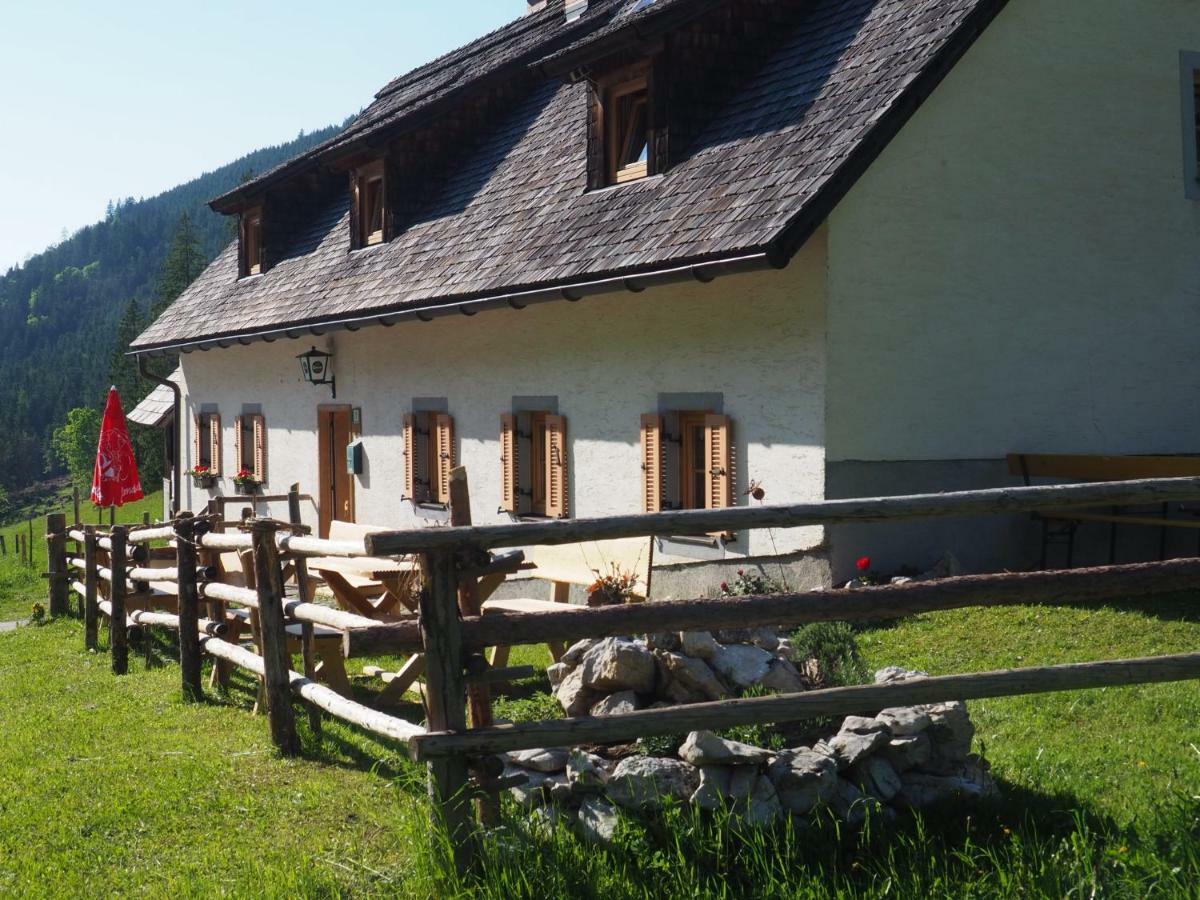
point(826, 512)
point(1070, 586)
point(793, 707)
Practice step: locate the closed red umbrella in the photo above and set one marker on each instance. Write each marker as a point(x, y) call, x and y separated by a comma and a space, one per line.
point(115, 480)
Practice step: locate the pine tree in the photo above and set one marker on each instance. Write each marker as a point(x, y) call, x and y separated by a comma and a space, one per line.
point(184, 262)
point(122, 369)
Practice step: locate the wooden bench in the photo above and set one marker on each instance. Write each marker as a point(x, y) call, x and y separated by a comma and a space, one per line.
point(376, 588)
point(575, 564)
point(1059, 526)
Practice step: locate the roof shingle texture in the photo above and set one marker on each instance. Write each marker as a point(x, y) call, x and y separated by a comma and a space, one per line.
point(516, 214)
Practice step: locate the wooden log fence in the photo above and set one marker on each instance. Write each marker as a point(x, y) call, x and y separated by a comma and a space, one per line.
point(450, 634)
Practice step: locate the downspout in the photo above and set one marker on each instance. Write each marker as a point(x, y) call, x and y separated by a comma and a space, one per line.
point(177, 461)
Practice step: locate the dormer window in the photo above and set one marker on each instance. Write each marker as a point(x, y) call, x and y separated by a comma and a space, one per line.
point(623, 129)
point(369, 204)
point(251, 244)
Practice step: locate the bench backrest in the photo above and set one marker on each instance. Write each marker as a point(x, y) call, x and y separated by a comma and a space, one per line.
point(352, 531)
point(580, 563)
point(1101, 468)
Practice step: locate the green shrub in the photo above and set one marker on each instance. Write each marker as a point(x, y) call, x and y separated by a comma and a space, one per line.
point(834, 645)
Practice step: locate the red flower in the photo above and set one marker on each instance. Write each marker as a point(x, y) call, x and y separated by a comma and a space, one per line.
point(725, 586)
point(864, 564)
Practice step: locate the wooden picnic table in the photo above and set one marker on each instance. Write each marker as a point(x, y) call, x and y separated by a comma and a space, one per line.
point(371, 586)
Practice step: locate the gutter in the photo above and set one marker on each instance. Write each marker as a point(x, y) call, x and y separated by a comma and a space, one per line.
point(702, 272)
point(177, 461)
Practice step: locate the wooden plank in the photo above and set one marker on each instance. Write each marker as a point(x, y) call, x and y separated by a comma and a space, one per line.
point(308, 648)
point(1080, 467)
point(319, 695)
point(1117, 519)
point(189, 609)
point(824, 512)
point(793, 707)
point(1068, 586)
point(146, 535)
point(117, 638)
point(273, 634)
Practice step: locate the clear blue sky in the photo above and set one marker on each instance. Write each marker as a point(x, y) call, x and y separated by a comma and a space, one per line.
point(127, 98)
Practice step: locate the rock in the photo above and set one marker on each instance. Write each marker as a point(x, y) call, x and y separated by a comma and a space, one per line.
point(904, 720)
point(909, 752)
point(741, 664)
point(698, 644)
point(687, 680)
point(558, 790)
point(618, 664)
point(762, 808)
point(645, 782)
point(554, 760)
point(556, 672)
point(785, 650)
point(896, 673)
point(703, 748)
point(900, 579)
point(598, 821)
point(802, 779)
point(951, 732)
point(850, 804)
point(861, 725)
point(663, 640)
point(713, 792)
point(586, 772)
point(573, 697)
point(546, 819)
point(848, 748)
point(537, 788)
point(921, 789)
point(767, 638)
point(876, 776)
point(782, 678)
point(617, 704)
point(575, 653)
point(741, 782)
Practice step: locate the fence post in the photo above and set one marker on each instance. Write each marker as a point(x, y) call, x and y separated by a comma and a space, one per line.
point(117, 637)
point(277, 664)
point(3, 546)
point(189, 607)
point(75, 504)
point(91, 611)
point(307, 644)
point(56, 564)
point(29, 545)
point(445, 697)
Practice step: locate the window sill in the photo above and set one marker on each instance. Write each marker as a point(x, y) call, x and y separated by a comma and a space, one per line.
point(250, 277)
point(633, 182)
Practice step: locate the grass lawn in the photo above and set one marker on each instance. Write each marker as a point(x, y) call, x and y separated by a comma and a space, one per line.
point(114, 786)
point(22, 585)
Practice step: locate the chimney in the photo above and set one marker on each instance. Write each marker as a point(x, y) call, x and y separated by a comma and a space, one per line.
point(575, 8)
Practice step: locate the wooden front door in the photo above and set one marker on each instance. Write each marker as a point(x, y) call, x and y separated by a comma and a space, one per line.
point(334, 433)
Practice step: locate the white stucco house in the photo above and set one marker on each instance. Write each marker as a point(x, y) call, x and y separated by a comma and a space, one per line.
point(647, 254)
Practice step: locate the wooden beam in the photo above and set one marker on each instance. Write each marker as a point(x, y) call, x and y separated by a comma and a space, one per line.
point(308, 647)
point(794, 707)
point(273, 634)
point(319, 695)
point(826, 512)
point(117, 639)
point(56, 563)
point(1070, 586)
point(189, 609)
point(91, 617)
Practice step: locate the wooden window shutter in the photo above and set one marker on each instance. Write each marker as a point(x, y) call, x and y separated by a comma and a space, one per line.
point(260, 448)
point(718, 441)
point(597, 162)
point(652, 470)
point(355, 212)
point(214, 441)
point(237, 443)
point(444, 448)
point(410, 459)
point(509, 488)
point(196, 458)
point(659, 116)
point(556, 467)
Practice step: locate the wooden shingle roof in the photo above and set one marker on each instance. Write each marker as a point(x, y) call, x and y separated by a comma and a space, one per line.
point(515, 216)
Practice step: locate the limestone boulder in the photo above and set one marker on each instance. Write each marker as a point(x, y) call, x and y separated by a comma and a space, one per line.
point(574, 654)
point(741, 665)
point(847, 748)
point(802, 779)
point(541, 760)
point(783, 678)
point(646, 782)
point(908, 752)
point(556, 672)
point(904, 720)
point(617, 704)
point(713, 790)
point(762, 808)
point(598, 821)
point(698, 644)
point(703, 748)
point(876, 777)
point(574, 697)
point(586, 772)
point(618, 664)
point(684, 679)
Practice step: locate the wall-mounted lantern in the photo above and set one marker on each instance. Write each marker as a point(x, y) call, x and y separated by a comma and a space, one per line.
point(317, 368)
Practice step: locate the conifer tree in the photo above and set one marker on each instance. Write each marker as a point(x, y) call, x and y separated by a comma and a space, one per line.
point(183, 263)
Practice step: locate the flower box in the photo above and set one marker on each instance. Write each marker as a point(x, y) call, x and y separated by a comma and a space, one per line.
point(203, 480)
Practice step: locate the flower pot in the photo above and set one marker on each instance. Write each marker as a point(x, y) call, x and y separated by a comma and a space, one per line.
point(204, 481)
point(246, 488)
